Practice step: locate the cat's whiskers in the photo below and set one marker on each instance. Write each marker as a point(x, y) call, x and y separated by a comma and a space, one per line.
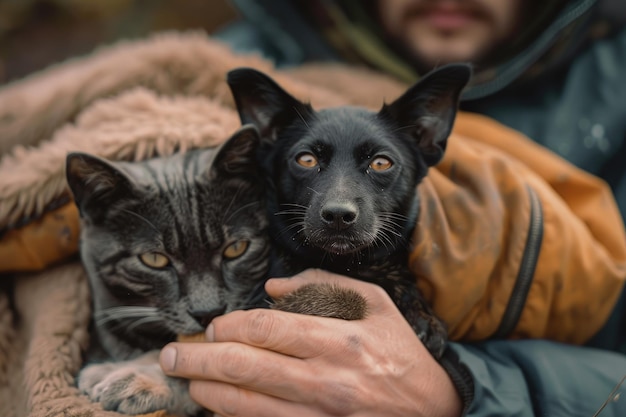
point(245, 206)
point(142, 321)
point(127, 319)
point(120, 313)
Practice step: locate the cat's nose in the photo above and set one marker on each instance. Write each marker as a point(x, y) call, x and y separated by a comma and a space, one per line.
point(204, 317)
point(339, 214)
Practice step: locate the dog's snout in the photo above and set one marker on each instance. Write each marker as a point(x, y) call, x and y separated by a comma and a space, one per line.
point(339, 215)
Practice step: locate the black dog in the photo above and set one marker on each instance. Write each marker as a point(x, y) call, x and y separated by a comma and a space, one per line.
point(342, 192)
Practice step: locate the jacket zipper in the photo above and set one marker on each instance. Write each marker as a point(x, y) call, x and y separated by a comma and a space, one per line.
point(526, 271)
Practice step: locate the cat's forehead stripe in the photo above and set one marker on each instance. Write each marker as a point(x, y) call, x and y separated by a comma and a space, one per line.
point(174, 179)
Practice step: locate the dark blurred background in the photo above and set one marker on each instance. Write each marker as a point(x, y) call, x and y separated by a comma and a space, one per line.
point(37, 33)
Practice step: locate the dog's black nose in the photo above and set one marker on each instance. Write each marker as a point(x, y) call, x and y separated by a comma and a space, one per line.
point(339, 215)
point(204, 317)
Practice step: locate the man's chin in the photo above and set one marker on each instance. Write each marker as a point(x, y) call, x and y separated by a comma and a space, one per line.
point(439, 49)
point(435, 59)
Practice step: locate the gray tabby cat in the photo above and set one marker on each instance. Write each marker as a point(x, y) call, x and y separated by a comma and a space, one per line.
point(168, 244)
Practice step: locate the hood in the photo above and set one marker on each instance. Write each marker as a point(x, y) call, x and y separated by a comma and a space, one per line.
point(337, 30)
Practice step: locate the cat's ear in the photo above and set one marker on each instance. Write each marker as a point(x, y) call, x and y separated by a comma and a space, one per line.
point(427, 110)
point(238, 155)
point(263, 103)
point(95, 183)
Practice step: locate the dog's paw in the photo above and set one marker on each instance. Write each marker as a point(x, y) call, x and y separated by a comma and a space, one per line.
point(435, 337)
point(431, 330)
point(135, 387)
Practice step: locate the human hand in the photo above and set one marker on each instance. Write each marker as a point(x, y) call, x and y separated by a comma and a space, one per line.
point(274, 363)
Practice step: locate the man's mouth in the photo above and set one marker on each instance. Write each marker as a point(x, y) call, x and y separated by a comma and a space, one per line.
point(444, 20)
point(447, 16)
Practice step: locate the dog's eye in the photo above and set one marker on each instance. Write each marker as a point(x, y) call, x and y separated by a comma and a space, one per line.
point(236, 249)
point(380, 164)
point(154, 260)
point(307, 160)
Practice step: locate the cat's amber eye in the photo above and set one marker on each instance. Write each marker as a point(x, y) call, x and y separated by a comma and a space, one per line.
point(307, 160)
point(236, 249)
point(154, 260)
point(380, 163)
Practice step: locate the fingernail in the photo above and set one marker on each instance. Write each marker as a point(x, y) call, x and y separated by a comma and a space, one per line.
point(210, 333)
point(168, 358)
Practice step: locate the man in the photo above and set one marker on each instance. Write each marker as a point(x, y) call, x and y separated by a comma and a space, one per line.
point(558, 63)
point(553, 71)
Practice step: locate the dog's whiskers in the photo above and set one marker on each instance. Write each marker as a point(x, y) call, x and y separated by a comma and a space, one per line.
point(391, 222)
point(391, 227)
point(296, 209)
point(294, 205)
point(292, 226)
point(392, 215)
point(288, 212)
point(383, 239)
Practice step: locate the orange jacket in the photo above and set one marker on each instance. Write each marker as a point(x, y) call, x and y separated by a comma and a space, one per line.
point(512, 241)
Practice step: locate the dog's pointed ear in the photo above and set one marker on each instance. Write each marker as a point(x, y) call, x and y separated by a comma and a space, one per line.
point(95, 183)
point(263, 103)
point(428, 109)
point(238, 155)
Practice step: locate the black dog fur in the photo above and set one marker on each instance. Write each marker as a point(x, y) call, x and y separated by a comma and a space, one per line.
point(342, 181)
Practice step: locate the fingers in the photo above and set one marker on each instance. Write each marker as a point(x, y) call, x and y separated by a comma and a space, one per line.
point(229, 400)
point(237, 364)
point(258, 374)
point(291, 334)
point(294, 334)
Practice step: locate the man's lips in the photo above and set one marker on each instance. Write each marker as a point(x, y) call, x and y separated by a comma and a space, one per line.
point(448, 19)
point(445, 15)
